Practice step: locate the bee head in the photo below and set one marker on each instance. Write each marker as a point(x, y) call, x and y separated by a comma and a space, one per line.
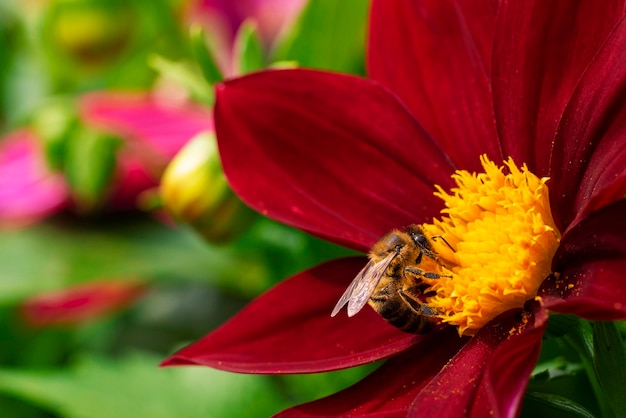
point(393, 241)
point(418, 237)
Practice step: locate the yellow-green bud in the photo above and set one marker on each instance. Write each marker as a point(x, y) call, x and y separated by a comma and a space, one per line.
point(194, 191)
point(91, 30)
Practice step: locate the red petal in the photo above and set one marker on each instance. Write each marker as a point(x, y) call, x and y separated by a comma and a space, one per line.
point(506, 375)
point(591, 260)
point(435, 379)
point(540, 52)
point(478, 382)
point(331, 154)
point(391, 388)
point(81, 303)
point(435, 55)
point(289, 329)
point(589, 163)
point(28, 190)
point(164, 127)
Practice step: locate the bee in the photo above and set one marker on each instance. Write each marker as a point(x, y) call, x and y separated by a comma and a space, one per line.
point(391, 282)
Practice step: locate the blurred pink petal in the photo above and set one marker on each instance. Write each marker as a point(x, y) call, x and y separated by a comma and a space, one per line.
point(28, 189)
point(81, 303)
point(222, 18)
point(272, 17)
point(155, 128)
point(153, 133)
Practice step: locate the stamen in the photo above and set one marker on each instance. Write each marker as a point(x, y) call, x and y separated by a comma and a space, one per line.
point(497, 240)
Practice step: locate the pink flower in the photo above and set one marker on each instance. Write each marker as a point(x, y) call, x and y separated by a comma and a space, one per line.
point(153, 133)
point(349, 159)
point(28, 190)
point(222, 19)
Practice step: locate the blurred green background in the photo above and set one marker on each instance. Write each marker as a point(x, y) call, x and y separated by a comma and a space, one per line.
point(176, 285)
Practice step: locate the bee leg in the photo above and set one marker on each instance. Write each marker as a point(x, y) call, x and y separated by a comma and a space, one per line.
point(428, 253)
point(426, 274)
point(418, 307)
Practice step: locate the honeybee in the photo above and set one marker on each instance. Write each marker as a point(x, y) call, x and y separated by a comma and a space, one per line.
point(391, 282)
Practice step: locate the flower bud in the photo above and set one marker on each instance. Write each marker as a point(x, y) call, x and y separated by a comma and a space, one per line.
point(194, 190)
point(90, 30)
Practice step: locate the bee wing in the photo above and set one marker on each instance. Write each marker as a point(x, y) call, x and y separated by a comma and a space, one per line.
point(363, 285)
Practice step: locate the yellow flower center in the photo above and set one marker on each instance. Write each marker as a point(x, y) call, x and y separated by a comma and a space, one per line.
point(495, 240)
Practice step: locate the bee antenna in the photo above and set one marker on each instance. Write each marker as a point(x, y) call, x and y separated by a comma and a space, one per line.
point(444, 240)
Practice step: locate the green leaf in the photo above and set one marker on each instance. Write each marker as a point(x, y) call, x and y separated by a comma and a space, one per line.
point(610, 364)
point(560, 324)
point(19, 409)
point(203, 56)
point(134, 386)
point(559, 371)
point(185, 75)
point(89, 165)
point(330, 35)
point(134, 247)
point(248, 49)
point(582, 340)
point(580, 336)
point(308, 387)
point(554, 406)
point(556, 367)
point(52, 255)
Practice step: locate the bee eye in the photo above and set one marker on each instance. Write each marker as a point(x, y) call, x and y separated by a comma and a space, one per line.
point(420, 240)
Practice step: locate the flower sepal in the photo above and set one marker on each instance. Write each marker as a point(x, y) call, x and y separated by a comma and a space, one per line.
point(90, 164)
point(85, 155)
point(53, 122)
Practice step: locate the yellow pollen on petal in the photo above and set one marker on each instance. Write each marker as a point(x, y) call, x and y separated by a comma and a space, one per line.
point(495, 240)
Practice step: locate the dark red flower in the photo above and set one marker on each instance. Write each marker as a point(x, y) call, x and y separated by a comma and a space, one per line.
point(348, 159)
